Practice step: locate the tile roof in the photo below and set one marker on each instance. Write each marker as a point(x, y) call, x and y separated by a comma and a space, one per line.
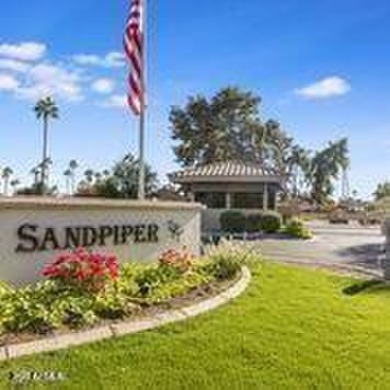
point(228, 169)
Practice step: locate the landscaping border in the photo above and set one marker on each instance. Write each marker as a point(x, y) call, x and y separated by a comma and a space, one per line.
point(114, 330)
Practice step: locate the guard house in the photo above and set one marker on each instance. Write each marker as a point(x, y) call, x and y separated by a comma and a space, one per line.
point(228, 185)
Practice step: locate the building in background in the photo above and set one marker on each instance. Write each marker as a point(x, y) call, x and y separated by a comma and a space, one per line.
point(228, 186)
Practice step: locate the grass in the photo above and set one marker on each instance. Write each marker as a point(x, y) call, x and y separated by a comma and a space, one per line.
point(293, 329)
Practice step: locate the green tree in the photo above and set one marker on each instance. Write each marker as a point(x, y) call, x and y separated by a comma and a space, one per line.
point(68, 175)
point(36, 173)
point(382, 191)
point(14, 184)
point(73, 166)
point(228, 127)
point(122, 183)
point(45, 109)
point(89, 176)
point(298, 166)
point(6, 174)
point(37, 189)
point(325, 167)
point(216, 129)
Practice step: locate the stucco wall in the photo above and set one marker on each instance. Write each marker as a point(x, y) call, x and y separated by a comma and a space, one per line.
point(19, 267)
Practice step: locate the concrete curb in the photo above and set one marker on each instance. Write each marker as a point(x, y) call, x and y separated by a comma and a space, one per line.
point(114, 330)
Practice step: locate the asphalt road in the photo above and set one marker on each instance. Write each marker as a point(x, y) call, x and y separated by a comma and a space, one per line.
point(352, 246)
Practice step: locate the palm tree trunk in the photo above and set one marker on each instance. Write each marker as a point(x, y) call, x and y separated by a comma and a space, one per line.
point(68, 185)
point(44, 155)
point(72, 184)
point(6, 186)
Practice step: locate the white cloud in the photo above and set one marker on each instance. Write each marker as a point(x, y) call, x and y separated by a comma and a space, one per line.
point(325, 88)
point(8, 83)
point(53, 80)
point(28, 75)
point(25, 51)
point(103, 86)
point(14, 65)
point(115, 101)
point(110, 60)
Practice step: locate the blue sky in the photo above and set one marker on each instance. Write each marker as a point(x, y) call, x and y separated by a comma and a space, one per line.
point(321, 67)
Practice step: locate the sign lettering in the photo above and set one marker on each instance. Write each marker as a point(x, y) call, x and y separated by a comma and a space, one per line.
point(33, 238)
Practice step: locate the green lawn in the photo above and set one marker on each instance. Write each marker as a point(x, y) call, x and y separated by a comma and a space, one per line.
point(292, 329)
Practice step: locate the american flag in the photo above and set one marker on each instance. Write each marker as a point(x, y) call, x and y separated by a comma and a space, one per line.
point(133, 44)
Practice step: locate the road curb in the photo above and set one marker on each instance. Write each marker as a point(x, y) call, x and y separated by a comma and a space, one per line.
point(115, 330)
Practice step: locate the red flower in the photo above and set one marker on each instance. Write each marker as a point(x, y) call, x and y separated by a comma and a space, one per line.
point(83, 269)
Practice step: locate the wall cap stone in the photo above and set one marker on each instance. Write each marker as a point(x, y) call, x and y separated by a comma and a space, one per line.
point(68, 203)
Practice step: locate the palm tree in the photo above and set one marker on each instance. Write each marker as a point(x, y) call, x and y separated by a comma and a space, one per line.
point(45, 109)
point(299, 163)
point(14, 184)
point(325, 167)
point(106, 173)
point(44, 166)
point(6, 174)
point(89, 173)
point(36, 172)
point(98, 177)
point(68, 175)
point(73, 165)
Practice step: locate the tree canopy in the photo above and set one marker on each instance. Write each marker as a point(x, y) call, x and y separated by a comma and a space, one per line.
point(228, 126)
point(119, 182)
point(382, 191)
point(326, 166)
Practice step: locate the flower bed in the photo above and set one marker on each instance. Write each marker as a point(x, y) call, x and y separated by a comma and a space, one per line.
point(84, 288)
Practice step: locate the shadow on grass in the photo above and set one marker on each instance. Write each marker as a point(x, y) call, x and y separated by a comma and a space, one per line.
point(366, 255)
point(368, 287)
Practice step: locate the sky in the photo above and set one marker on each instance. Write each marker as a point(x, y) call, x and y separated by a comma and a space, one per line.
point(321, 67)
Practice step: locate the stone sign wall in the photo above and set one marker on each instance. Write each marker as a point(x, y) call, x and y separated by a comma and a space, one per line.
point(33, 230)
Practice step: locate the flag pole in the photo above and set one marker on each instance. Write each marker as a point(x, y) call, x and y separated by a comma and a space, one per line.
point(142, 118)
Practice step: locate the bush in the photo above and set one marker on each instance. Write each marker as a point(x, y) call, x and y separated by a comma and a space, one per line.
point(83, 270)
point(271, 222)
point(226, 260)
point(233, 222)
point(74, 295)
point(152, 277)
point(4, 289)
point(114, 302)
point(254, 223)
point(42, 308)
point(297, 229)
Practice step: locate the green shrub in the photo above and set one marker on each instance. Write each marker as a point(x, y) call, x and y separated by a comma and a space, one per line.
point(233, 222)
point(114, 302)
point(4, 289)
point(51, 304)
point(151, 277)
point(177, 287)
point(271, 222)
point(254, 223)
point(226, 260)
point(42, 308)
point(297, 229)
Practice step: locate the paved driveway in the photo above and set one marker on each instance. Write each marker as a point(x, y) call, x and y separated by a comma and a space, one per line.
point(351, 246)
